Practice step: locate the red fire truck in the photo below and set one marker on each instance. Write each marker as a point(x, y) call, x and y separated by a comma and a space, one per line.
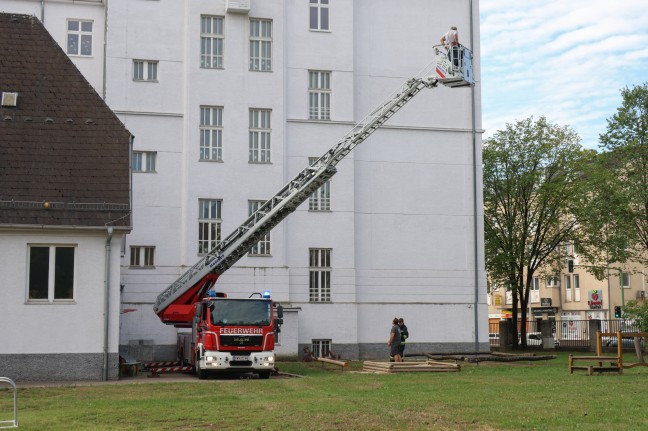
point(236, 335)
point(239, 334)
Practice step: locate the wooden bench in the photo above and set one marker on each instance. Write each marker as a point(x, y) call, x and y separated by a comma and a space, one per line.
point(615, 364)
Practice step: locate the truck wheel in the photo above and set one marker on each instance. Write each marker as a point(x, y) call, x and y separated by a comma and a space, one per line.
point(264, 374)
point(202, 374)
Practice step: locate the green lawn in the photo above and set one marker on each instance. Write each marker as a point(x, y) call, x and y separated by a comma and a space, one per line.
point(491, 396)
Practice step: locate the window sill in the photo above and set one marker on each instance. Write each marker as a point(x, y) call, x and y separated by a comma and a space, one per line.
point(141, 267)
point(146, 80)
point(211, 161)
point(319, 30)
point(259, 163)
point(48, 302)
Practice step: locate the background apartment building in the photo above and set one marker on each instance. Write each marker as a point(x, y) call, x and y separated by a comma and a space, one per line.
point(227, 100)
point(568, 298)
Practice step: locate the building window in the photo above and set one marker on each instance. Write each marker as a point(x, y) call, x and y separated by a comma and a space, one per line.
point(553, 281)
point(625, 280)
point(259, 136)
point(320, 200)
point(319, 95)
point(79, 37)
point(261, 248)
point(261, 44)
point(576, 288)
point(211, 133)
point(211, 42)
point(534, 290)
point(144, 161)
point(321, 348)
point(319, 14)
point(209, 224)
point(145, 70)
point(142, 256)
point(568, 289)
point(51, 273)
point(320, 275)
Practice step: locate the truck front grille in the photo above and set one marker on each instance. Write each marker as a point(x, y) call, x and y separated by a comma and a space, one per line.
point(241, 340)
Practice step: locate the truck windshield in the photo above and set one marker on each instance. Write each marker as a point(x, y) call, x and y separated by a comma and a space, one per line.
point(240, 312)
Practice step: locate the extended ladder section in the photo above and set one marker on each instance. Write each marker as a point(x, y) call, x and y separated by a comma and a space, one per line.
point(175, 304)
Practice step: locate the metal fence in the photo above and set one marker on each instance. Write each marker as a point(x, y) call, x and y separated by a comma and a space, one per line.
point(568, 334)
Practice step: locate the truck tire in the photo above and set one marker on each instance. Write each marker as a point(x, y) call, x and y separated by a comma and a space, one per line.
point(264, 374)
point(202, 374)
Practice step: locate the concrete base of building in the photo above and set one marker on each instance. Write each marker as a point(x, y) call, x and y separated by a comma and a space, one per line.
point(148, 352)
point(58, 367)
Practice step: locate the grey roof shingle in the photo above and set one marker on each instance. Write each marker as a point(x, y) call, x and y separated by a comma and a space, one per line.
point(61, 143)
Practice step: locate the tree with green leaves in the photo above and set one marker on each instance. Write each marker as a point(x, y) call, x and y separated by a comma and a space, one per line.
point(532, 185)
point(623, 196)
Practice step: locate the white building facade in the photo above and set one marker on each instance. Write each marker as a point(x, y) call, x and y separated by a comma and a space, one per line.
point(228, 100)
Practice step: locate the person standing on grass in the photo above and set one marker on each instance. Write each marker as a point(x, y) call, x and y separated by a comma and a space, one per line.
point(394, 342)
point(404, 334)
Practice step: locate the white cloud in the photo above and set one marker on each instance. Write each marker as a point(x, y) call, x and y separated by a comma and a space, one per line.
point(566, 60)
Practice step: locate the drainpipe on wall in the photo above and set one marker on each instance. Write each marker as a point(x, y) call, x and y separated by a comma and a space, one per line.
point(475, 188)
point(105, 51)
point(43, 12)
point(106, 302)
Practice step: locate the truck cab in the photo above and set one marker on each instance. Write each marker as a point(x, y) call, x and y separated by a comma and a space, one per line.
point(232, 335)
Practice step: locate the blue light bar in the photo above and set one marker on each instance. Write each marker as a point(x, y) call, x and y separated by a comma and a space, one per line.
point(266, 294)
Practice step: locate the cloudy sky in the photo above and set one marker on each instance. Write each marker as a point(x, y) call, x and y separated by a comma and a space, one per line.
point(564, 59)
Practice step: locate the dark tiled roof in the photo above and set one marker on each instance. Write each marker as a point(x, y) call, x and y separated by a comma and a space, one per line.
point(61, 144)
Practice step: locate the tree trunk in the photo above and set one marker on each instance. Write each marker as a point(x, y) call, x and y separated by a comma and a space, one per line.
point(639, 349)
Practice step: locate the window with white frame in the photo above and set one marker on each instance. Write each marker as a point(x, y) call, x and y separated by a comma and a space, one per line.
point(535, 289)
point(209, 224)
point(320, 200)
point(553, 281)
point(51, 273)
point(319, 95)
point(145, 70)
point(625, 280)
point(259, 136)
point(143, 161)
point(261, 45)
point(261, 248)
point(142, 256)
point(567, 249)
point(320, 275)
point(319, 15)
point(576, 288)
point(321, 348)
point(79, 37)
point(211, 133)
point(211, 42)
point(568, 289)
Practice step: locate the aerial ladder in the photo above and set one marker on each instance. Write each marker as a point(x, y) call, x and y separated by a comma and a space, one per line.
point(176, 304)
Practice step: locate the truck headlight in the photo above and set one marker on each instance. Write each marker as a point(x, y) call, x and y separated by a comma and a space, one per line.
point(209, 359)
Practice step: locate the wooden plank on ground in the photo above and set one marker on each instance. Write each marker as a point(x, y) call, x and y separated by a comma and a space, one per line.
point(409, 367)
point(333, 361)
